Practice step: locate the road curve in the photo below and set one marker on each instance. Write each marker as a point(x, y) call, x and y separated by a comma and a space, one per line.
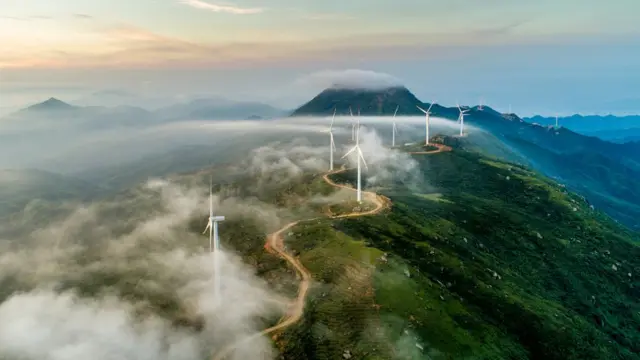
point(275, 242)
point(440, 148)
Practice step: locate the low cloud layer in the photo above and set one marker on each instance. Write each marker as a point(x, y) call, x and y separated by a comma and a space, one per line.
point(101, 283)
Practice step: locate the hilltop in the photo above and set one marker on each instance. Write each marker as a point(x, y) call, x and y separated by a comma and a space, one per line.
point(381, 102)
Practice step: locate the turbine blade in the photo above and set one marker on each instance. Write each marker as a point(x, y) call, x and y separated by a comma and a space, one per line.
point(362, 157)
point(332, 119)
point(395, 112)
point(350, 112)
point(432, 102)
point(421, 109)
point(349, 152)
point(207, 228)
point(211, 195)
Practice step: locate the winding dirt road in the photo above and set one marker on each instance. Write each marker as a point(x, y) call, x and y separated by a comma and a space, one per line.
point(275, 243)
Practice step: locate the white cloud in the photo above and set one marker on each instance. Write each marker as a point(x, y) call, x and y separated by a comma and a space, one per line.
point(221, 8)
point(384, 164)
point(351, 78)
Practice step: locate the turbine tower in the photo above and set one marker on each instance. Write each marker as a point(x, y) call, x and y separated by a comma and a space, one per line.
point(359, 155)
point(214, 243)
point(332, 145)
point(427, 114)
point(394, 130)
point(461, 119)
point(556, 121)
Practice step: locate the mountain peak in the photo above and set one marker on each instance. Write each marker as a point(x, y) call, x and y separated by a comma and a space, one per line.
point(51, 104)
point(370, 101)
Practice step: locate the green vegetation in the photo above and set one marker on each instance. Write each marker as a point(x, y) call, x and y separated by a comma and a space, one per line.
point(504, 264)
point(418, 148)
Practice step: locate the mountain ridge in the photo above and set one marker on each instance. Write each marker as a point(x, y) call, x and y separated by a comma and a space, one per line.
point(588, 154)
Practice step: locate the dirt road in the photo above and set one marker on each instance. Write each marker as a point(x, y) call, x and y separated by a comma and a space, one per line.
point(440, 148)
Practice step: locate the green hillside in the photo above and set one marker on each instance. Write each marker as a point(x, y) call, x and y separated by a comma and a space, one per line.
point(484, 260)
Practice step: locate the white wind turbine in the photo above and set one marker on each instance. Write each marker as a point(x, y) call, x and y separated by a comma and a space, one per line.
point(353, 126)
point(427, 113)
point(214, 243)
point(359, 155)
point(394, 130)
point(332, 145)
point(461, 119)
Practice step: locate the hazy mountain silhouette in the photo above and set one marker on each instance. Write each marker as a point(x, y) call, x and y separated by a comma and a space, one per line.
point(51, 104)
point(218, 109)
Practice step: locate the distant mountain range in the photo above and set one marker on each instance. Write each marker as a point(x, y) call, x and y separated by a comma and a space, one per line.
point(603, 171)
point(199, 109)
point(57, 113)
point(609, 127)
point(219, 109)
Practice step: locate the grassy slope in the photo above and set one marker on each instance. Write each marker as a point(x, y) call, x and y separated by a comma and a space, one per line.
point(504, 268)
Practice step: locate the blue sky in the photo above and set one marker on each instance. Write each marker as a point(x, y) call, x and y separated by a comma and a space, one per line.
point(543, 56)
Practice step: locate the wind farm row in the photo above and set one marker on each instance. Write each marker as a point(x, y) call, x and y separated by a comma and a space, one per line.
point(213, 220)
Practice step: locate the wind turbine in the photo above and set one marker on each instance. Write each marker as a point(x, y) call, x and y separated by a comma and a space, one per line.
point(426, 113)
point(394, 130)
point(359, 155)
point(332, 145)
point(481, 105)
point(461, 119)
point(214, 243)
point(353, 125)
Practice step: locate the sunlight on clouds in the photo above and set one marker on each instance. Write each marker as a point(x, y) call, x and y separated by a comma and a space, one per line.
point(226, 8)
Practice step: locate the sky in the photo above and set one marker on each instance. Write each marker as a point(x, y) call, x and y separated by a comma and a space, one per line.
point(539, 57)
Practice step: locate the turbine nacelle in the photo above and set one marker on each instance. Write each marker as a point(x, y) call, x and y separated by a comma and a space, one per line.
point(359, 153)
